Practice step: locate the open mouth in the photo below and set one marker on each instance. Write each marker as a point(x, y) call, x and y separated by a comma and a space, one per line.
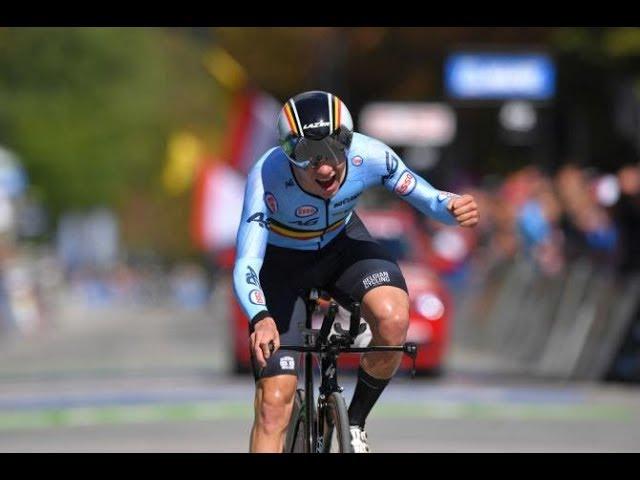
point(326, 184)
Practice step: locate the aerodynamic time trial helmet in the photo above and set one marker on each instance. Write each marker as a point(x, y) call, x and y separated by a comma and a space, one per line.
point(315, 126)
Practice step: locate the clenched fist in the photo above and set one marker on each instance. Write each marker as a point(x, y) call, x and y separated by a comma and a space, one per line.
point(465, 209)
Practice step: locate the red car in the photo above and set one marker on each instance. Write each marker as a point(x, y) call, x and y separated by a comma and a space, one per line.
point(430, 311)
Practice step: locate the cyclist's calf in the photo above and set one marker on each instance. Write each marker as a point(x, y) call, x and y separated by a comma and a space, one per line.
point(273, 404)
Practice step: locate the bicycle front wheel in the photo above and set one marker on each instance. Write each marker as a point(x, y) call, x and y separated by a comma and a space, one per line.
point(336, 426)
point(295, 441)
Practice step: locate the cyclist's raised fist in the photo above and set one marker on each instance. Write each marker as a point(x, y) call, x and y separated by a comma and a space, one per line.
point(465, 209)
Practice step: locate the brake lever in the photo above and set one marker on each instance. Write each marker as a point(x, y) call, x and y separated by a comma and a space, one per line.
point(411, 349)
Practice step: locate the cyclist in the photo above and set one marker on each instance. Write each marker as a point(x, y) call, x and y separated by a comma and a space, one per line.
point(299, 230)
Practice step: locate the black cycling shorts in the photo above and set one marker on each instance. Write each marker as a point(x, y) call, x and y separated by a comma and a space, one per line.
point(348, 267)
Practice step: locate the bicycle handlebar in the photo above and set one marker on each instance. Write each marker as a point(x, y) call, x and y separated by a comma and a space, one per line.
point(408, 348)
point(340, 344)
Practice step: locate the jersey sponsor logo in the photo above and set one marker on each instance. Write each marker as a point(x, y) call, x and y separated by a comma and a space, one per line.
point(304, 223)
point(406, 183)
point(258, 217)
point(272, 203)
point(252, 278)
point(357, 161)
point(287, 363)
point(319, 124)
point(256, 297)
point(306, 211)
point(376, 279)
point(346, 200)
point(392, 166)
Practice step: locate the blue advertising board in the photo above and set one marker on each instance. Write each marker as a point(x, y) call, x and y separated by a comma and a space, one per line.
point(499, 76)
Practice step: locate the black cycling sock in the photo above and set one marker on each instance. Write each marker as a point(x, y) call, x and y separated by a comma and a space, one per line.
point(367, 391)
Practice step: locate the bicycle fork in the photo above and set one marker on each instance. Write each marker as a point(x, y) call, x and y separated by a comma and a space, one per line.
point(329, 385)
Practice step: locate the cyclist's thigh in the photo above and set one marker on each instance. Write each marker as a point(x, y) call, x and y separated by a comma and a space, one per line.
point(363, 265)
point(279, 283)
point(283, 362)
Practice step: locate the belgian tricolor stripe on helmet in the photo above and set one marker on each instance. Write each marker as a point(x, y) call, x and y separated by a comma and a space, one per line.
point(292, 117)
point(336, 113)
point(290, 120)
point(330, 109)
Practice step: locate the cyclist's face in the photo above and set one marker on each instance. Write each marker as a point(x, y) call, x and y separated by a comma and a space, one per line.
point(323, 179)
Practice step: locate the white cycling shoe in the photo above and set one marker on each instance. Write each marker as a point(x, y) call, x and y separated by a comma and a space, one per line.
point(359, 440)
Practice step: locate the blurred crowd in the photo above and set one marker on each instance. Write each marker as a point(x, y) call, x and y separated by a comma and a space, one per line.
point(38, 291)
point(554, 219)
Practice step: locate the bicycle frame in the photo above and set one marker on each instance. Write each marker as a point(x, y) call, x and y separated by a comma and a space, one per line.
point(310, 433)
point(328, 349)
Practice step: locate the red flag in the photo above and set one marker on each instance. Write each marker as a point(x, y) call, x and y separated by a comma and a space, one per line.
point(252, 128)
point(217, 206)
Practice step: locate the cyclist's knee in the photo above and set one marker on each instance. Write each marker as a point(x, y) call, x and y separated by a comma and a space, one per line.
point(274, 403)
point(390, 312)
point(393, 327)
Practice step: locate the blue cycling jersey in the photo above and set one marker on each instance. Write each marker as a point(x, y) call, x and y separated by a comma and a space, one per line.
point(279, 212)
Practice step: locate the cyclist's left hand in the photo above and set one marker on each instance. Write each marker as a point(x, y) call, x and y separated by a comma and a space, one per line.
point(465, 209)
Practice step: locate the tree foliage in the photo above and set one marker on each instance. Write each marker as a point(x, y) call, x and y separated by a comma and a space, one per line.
point(89, 110)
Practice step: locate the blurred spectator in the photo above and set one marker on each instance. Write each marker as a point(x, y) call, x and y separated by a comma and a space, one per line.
point(627, 214)
point(88, 240)
point(189, 286)
point(588, 227)
point(626, 365)
point(538, 225)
